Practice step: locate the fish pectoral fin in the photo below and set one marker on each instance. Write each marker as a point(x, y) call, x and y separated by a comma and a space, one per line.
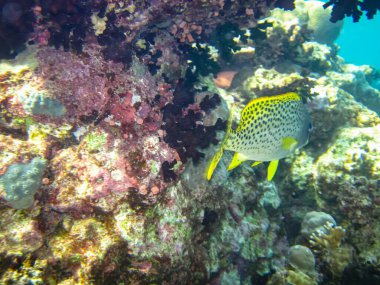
point(272, 169)
point(215, 160)
point(236, 160)
point(214, 163)
point(289, 143)
point(256, 163)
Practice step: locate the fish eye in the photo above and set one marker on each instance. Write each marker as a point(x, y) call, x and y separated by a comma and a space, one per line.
point(310, 126)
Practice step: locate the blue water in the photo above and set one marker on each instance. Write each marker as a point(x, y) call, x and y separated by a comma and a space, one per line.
point(360, 42)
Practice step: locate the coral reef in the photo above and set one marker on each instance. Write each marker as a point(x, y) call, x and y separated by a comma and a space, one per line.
point(315, 17)
point(124, 103)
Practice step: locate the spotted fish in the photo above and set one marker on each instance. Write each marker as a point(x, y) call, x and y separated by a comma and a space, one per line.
point(270, 128)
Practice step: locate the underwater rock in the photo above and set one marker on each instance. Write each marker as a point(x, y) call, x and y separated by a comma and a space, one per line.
point(269, 82)
point(20, 234)
point(357, 81)
point(99, 249)
point(354, 154)
point(317, 57)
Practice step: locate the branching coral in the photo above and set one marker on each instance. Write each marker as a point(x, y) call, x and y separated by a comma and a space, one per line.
point(327, 243)
point(329, 238)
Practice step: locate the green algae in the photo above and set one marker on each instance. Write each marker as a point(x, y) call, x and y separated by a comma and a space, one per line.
point(95, 141)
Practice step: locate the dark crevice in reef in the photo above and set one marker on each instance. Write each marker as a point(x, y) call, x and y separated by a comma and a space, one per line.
point(16, 23)
point(183, 132)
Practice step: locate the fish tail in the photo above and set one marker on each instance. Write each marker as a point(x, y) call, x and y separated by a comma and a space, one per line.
point(218, 155)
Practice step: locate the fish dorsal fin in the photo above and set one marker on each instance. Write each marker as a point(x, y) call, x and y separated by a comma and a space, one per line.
point(251, 110)
point(289, 143)
point(215, 160)
point(272, 169)
point(236, 160)
point(289, 96)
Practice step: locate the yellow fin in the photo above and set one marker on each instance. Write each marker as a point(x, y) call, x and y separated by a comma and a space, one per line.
point(236, 160)
point(272, 169)
point(256, 163)
point(214, 162)
point(218, 155)
point(289, 143)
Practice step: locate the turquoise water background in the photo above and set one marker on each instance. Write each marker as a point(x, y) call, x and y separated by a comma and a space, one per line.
point(360, 42)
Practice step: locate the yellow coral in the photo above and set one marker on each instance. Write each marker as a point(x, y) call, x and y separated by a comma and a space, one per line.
point(99, 24)
point(328, 243)
point(330, 238)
